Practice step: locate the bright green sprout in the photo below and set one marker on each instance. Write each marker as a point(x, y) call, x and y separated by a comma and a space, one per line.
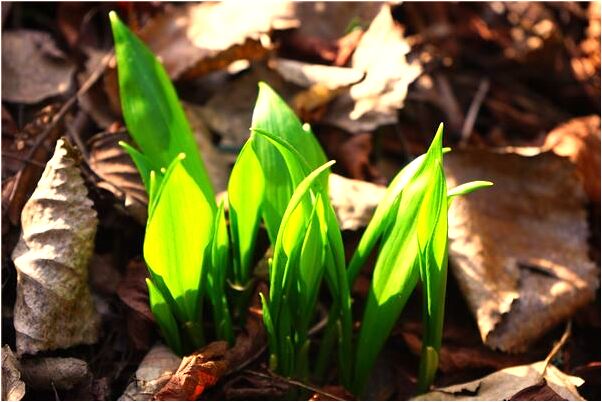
point(280, 179)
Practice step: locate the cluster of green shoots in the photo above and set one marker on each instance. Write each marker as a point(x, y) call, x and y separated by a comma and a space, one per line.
point(195, 251)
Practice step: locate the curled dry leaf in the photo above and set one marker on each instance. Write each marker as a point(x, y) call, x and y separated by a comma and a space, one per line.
point(33, 68)
point(63, 373)
point(191, 40)
point(374, 101)
point(54, 308)
point(519, 250)
point(117, 172)
point(13, 388)
point(154, 371)
point(506, 383)
point(579, 140)
point(354, 201)
point(204, 368)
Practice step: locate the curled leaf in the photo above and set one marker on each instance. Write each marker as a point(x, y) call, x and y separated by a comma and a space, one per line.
point(54, 308)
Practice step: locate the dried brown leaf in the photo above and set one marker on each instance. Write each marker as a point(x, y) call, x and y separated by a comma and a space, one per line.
point(519, 249)
point(24, 162)
point(192, 40)
point(118, 173)
point(196, 373)
point(308, 74)
point(13, 388)
point(33, 68)
point(579, 140)
point(374, 101)
point(204, 368)
point(54, 308)
point(506, 383)
point(63, 373)
point(153, 373)
point(229, 111)
point(354, 201)
point(216, 161)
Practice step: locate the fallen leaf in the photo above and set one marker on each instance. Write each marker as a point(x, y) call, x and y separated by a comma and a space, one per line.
point(154, 371)
point(133, 292)
point(374, 101)
point(33, 68)
point(117, 172)
point(191, 40)
point(104, 275)
point(216, 161)
point(62, 373)
point(196, 372)
point(506, 383)
point(519, 249)
point(229, 111)
point(579, 140)
point(24, 160)
point(307, 74)
point(54, 308)
point(354, 201)
point(204, 368)
point(538, 392)
point(13, 388)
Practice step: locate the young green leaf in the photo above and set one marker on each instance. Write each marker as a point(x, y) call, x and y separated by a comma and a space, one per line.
point(178, 231)
point(151, 108)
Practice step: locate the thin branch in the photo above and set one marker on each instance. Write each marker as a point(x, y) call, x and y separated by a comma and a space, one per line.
point(557, 346)
point(473, 111)
point(299, 384)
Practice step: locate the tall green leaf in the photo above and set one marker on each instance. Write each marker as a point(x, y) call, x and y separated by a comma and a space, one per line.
point(151, 108)
point(178, 231)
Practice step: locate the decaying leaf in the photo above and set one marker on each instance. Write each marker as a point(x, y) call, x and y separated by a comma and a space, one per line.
point(196, 372)
point(133, 292)
point(374, 101)
point(117, 172)
point(519, 250)
point(23, 160)
point(216, 161)
point(307, 74)
point(354, 201)
point(579, 140)
point(504, 384)
point(204, 368)
point(54, 308)
point(229, 112)
point(33, 68)
point(191, 40)
point(13, 388)
point(154, 371)
point(60, 372)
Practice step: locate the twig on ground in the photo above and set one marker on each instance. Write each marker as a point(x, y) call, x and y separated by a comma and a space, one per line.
point(557, 346)
point(473, 111)
point(299, 384)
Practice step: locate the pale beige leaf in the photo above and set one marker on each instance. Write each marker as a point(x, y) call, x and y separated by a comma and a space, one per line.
point(194, 39)
point(33, 68)
point(307, 74)
point(54, 308)
point(374, 101)
point(354, 201)
point(519, 249)
point(13, 388)
point(118, 173)
point(153, 373)
point(504, 384)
